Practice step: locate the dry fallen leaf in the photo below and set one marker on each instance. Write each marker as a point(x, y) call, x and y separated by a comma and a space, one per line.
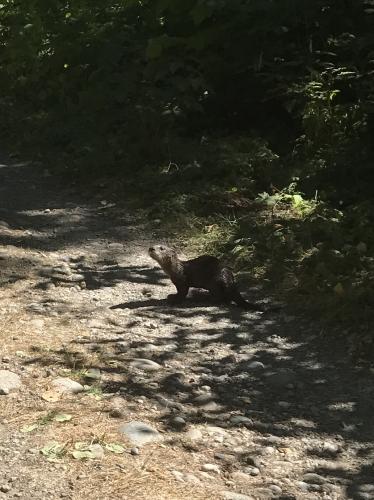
point(51, 396)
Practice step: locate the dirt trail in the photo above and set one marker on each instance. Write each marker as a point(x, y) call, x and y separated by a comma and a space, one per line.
point(246, 405)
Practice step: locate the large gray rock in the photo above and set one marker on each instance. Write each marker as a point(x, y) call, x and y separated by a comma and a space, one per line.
point(231, 495)
point(9, 382)
point(67, 385)
point(140, 433)
point(146, 365)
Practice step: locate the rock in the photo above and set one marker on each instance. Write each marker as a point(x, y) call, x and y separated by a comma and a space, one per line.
point(116, 413)
point(210, 407)
point(253, 461)
point(252, 471)
point(178, 422)
point(194, 434)
point(214, 429)
point(191, 478)
point(5, 488)
point(206, 402)
point(225, 457)
point(284, 404)
point(206, 388)
point(275, 489)
point(179, 476)
point(5, 359)
point(140, 433)
point(264, 493)
point(37, 323)
point(241, 477)
point(185, 477)
point(98, 451)
point(207, 476)
point(67, 385)
point(70, 278)
point(255, 365)
point(135, 451)
point(97, 323)
point(93, 374)
point(231, 495)
point(240, 420)
point(203, 399)
point(331, 448)
point(361, 495)
point(367, 488)
point(313, 478)
point(211, 468)
point(365, 492)
point(302, 486)
point(268, 450)
point(168, 403)
point(146, 365)
point(9, 382)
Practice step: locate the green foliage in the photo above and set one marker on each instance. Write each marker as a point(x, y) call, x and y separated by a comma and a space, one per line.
point(197, 106)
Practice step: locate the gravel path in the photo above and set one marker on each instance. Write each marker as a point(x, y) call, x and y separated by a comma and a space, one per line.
point(108, 391)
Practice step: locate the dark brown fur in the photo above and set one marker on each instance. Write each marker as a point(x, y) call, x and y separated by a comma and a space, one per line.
point(203, 272)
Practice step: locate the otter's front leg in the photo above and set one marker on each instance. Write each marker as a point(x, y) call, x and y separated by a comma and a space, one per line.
point(182, 291)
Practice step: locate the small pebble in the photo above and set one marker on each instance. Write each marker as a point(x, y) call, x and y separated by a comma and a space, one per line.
point(268, 450)
point(276, 489)
point(240, 420)
point(313, 478)
point(116, 413)
point(135, 451)
point(255, 365)
point(284, 404)
point(178, 422)
point(252, 471)
point(178, 475)
point(211, 468)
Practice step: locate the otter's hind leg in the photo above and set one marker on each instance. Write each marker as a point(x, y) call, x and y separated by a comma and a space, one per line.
point(231, 292)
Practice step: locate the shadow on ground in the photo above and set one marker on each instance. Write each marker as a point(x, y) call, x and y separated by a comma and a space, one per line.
point(271, 373)
point(274, 373)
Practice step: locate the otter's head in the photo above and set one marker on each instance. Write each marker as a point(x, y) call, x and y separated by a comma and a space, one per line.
point(165, 256)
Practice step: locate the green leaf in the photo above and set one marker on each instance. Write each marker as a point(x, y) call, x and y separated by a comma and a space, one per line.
point(83, 455)
point(115, 448)
point(29, 428)
point(63, 417)
point(297, 199)
point(53, 450)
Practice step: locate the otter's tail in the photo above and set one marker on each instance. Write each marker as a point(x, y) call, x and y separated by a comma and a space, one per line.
point(241, 302)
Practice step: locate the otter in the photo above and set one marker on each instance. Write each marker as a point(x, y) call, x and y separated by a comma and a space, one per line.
point(204, 272)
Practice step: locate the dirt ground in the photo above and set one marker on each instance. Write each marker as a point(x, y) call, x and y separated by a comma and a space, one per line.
point(246, 405)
